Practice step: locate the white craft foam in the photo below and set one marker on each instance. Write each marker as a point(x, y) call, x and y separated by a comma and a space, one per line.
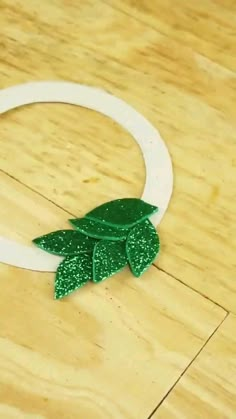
point(159, 175)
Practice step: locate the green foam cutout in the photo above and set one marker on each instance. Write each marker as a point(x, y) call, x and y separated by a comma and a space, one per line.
point(108, 258)
point(65, 243)
point(142, 247)
point(73, 273)
point(102, 243)
point(99, 230)
point(122, 213)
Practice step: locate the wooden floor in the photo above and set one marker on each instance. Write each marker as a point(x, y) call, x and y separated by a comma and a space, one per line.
point(163, 347)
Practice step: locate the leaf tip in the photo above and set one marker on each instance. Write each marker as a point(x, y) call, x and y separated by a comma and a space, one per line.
point(36, 240)
point(56, 296)
point(59, 294)
point(137, 274)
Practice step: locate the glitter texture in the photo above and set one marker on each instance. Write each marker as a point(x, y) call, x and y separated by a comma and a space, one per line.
point(110, 237)
point(108, 258)
point(122, 213)
point(142, 247)
point(98, 230)
point(65, 243)
point(72, 274)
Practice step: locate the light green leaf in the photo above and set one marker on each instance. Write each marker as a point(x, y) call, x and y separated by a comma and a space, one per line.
point(65, 243)
point(122, 213)
point(142, 247)
point(99, 230)
point(73, 273)
point(108, 258)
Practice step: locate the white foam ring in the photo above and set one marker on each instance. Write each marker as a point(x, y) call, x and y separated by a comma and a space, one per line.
point(159, 175)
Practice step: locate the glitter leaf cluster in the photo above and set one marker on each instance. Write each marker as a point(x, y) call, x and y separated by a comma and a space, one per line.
point(110, 237)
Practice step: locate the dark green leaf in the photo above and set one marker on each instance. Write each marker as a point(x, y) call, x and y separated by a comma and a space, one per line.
point(73, 273)
point(108, 258)
point(142, 247)
point(99, 230)
point(65, 242)
point(122, 213)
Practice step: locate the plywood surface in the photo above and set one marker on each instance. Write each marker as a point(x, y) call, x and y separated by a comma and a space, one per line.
point(208, 389)
point(106, 351)
point(109, 351)
point(116, 350)
point(176, 66)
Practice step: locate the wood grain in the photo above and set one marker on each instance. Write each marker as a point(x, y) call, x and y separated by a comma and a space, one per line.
point(166, 65)
point(207, 390)
point(116, 350)
point(106, 351)
point(109, 351)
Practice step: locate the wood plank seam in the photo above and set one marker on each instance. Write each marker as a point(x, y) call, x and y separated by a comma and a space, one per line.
point(36, 192)
point(172, 65)
point(186, 369)
point(74, 215)
point(192, 288)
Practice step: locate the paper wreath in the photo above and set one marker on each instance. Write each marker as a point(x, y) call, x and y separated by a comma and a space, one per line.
point(115, 234)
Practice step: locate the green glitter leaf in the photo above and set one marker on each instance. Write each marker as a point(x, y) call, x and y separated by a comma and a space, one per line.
point(108, 258)
point(122, 213)
point(65, 243)
point(142, 247)
point(72, 273)
point(98, 230)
